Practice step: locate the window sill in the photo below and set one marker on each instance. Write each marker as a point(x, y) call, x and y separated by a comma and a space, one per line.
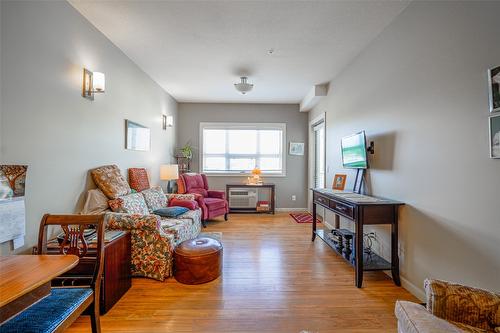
point(270, 175)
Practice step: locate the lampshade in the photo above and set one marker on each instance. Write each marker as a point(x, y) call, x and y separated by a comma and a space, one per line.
point(170, 121)
point(169, 171)
point(98, 81)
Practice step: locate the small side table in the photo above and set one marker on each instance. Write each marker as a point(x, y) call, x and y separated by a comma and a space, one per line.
point(272, 190)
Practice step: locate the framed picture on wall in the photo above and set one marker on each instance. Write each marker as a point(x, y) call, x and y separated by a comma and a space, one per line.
point(495, 136)
point(494, 88)
point(339, 182)
point(137, 137)
point(296, 148)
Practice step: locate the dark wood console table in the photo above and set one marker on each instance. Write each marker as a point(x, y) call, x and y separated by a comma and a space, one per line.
point(362, 210)
point(272, 199)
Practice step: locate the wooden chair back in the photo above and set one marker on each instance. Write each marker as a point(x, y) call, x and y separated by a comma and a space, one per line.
point(75, 243)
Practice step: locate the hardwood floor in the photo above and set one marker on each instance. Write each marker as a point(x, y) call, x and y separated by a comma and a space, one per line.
point(274, 280)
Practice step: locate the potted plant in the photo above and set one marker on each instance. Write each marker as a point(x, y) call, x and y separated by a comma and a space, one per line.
point(187, 151)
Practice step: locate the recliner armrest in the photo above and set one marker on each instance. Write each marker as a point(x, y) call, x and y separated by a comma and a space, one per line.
point(216, 194)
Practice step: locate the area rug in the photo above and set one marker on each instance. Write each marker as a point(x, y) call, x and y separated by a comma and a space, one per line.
point(304, 217)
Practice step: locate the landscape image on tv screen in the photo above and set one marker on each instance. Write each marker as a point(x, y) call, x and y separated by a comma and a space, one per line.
point(354, 151)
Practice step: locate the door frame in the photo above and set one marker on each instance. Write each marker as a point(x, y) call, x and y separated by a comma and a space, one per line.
point(311, 159)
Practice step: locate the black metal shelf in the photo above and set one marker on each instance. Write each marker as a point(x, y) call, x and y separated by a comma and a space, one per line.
point(371, 262)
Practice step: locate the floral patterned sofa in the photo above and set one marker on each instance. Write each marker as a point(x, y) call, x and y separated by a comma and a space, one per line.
point(450, 308)
point(153, 237)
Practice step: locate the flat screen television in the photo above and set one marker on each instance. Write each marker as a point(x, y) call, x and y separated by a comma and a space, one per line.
point(354, 151)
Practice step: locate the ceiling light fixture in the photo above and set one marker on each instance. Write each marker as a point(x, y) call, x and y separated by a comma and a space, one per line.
point(243, 87)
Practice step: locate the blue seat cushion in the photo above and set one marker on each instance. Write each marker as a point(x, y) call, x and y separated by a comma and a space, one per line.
point(49, 313)
point(172, 211)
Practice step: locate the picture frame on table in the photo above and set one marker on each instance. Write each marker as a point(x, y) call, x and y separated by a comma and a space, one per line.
point(494, 88)
point(339, 182)
point(494, 124)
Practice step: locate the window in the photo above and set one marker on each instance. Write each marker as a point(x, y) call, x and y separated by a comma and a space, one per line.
point(239, 148)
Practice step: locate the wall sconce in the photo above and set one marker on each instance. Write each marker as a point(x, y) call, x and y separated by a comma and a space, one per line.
point(93, 82)
point(168, 121)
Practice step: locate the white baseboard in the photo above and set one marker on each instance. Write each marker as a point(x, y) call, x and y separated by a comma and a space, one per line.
point(410, 287)
point(291, 209)
point(413, 289)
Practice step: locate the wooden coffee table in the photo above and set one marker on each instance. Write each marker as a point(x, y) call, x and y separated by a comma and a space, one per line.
point(25, 279)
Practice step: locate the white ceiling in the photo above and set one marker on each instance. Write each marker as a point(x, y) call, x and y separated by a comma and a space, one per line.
point(197, 50)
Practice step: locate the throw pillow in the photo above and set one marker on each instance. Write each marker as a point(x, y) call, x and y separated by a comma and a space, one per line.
point(155, 198)
point(131, 204)
point(96, 202)
point(170, 211)
point(109, 179)
point(138, 179)
point(189, 204)
point(181, 187)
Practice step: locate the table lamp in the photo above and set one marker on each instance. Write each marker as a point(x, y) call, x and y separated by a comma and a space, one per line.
point(169, 172)
point(255, 178)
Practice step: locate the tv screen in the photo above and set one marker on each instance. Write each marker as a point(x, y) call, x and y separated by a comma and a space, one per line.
point(354, 151)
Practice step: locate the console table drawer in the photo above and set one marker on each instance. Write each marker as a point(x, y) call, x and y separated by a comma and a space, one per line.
point(321, 200)
point(341, 208)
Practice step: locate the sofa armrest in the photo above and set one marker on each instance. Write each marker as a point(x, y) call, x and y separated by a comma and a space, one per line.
point(152, 248)
point(123, 221)
point(414, 318)
point(216, 194)
point(471, 306)
point(181, 196)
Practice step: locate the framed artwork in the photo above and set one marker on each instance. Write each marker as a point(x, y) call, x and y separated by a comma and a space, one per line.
point(12, 181)
point(137, 137)
point(495, 136)
point(12, 205)
point(494, 88)
point(296, 148)
point(339, 182)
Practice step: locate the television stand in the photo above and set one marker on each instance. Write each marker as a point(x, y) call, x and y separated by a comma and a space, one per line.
point(360, 209)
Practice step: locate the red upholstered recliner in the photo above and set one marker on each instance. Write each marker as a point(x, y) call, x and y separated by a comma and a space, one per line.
point(212, 203)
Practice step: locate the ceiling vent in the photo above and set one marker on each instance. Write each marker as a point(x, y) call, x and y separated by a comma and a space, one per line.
point(243, 87)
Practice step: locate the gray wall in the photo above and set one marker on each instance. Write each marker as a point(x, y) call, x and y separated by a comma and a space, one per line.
point(47, 125)
point(420, 92)
point(295, 182)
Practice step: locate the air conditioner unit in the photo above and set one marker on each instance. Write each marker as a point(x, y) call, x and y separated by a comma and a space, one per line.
point(243, 198)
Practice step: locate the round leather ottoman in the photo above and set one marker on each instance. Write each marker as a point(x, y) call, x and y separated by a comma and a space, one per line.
point(198, 260)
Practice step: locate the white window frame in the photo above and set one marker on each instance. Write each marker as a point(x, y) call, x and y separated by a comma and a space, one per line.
point(236, 126)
